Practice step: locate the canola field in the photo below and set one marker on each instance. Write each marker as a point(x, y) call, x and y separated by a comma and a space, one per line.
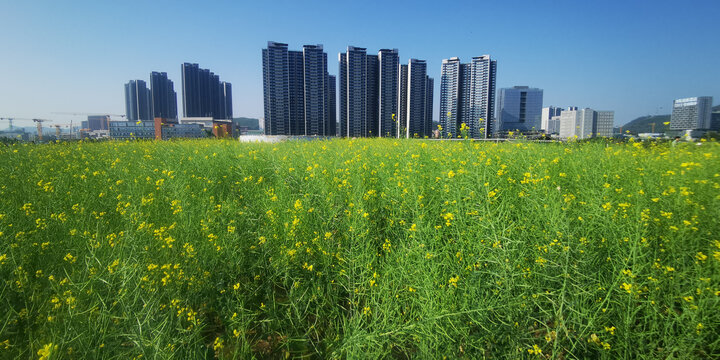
point(367, 248)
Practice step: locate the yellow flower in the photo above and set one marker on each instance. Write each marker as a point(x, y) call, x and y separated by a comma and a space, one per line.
point(46, 351)
point(627, 287)
point(218, 344)
point(535, 350)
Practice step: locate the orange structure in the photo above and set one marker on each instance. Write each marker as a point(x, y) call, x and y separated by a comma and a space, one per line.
point(222, 128)
point(158, 128)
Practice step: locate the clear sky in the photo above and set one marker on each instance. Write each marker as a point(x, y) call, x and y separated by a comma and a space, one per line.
point(633, 57)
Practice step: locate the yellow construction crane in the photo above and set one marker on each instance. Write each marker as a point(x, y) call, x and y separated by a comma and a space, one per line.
point(57, 129)
point(39, 127)
point(38, 121)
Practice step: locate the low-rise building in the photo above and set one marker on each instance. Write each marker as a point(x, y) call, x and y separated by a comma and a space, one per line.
point(148, 130)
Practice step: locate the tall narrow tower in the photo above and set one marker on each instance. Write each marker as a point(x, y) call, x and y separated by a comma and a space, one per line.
point(276, 92)
point(417, 81)
point(389, 63)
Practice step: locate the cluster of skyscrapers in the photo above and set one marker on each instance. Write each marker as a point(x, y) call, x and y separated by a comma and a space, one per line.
point(160, 100)
point(299, 94)
point(152, 113)
point(204, 95)
point(377, 95)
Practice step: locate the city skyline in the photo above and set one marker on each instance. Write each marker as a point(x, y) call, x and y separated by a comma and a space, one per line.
point(73, 50)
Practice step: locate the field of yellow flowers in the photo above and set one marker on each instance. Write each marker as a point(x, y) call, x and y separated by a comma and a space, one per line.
point(359, 249)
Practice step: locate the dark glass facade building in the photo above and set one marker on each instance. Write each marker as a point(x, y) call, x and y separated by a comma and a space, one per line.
point(98, 122)
point(429, 87)
point(138, 101)
point(401, 117)
point(164, 97)
point(388, 67)
point(204, 95)
point(417, 83)
point(519, 109)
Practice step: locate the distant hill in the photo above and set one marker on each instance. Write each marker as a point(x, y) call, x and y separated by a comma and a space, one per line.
point(251, 123)
point(643, 124)
point(716, 108)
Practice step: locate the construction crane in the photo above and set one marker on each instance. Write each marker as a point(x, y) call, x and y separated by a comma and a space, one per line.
point(57, 129)
point(87, 114)
point(38, 121)
point(106, 115)
point(10, 120)
point(39, 127)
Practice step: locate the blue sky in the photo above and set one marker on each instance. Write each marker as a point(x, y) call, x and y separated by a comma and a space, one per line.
point(633, 57)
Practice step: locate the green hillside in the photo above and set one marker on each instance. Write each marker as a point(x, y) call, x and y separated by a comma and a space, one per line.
point(643, 124)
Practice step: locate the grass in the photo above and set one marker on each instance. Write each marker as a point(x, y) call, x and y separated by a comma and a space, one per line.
point(371, 248)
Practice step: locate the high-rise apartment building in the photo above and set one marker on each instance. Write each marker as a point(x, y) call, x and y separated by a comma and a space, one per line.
point(429, 90)
point(298, 92)
point(226, 99)
point(380, 97)
point(519, 109)
point(353, 92)
point(276, 90)
point(373, 93)
point(389, 62)
point(315, 89)
point(585, 123)
point(138, 101)
point(331, 125)
point(693, 113)
point(164, 97)
point(467, 95)
point(204, 95)
point(417, 83)
point(402, 101)
point(450, 97)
